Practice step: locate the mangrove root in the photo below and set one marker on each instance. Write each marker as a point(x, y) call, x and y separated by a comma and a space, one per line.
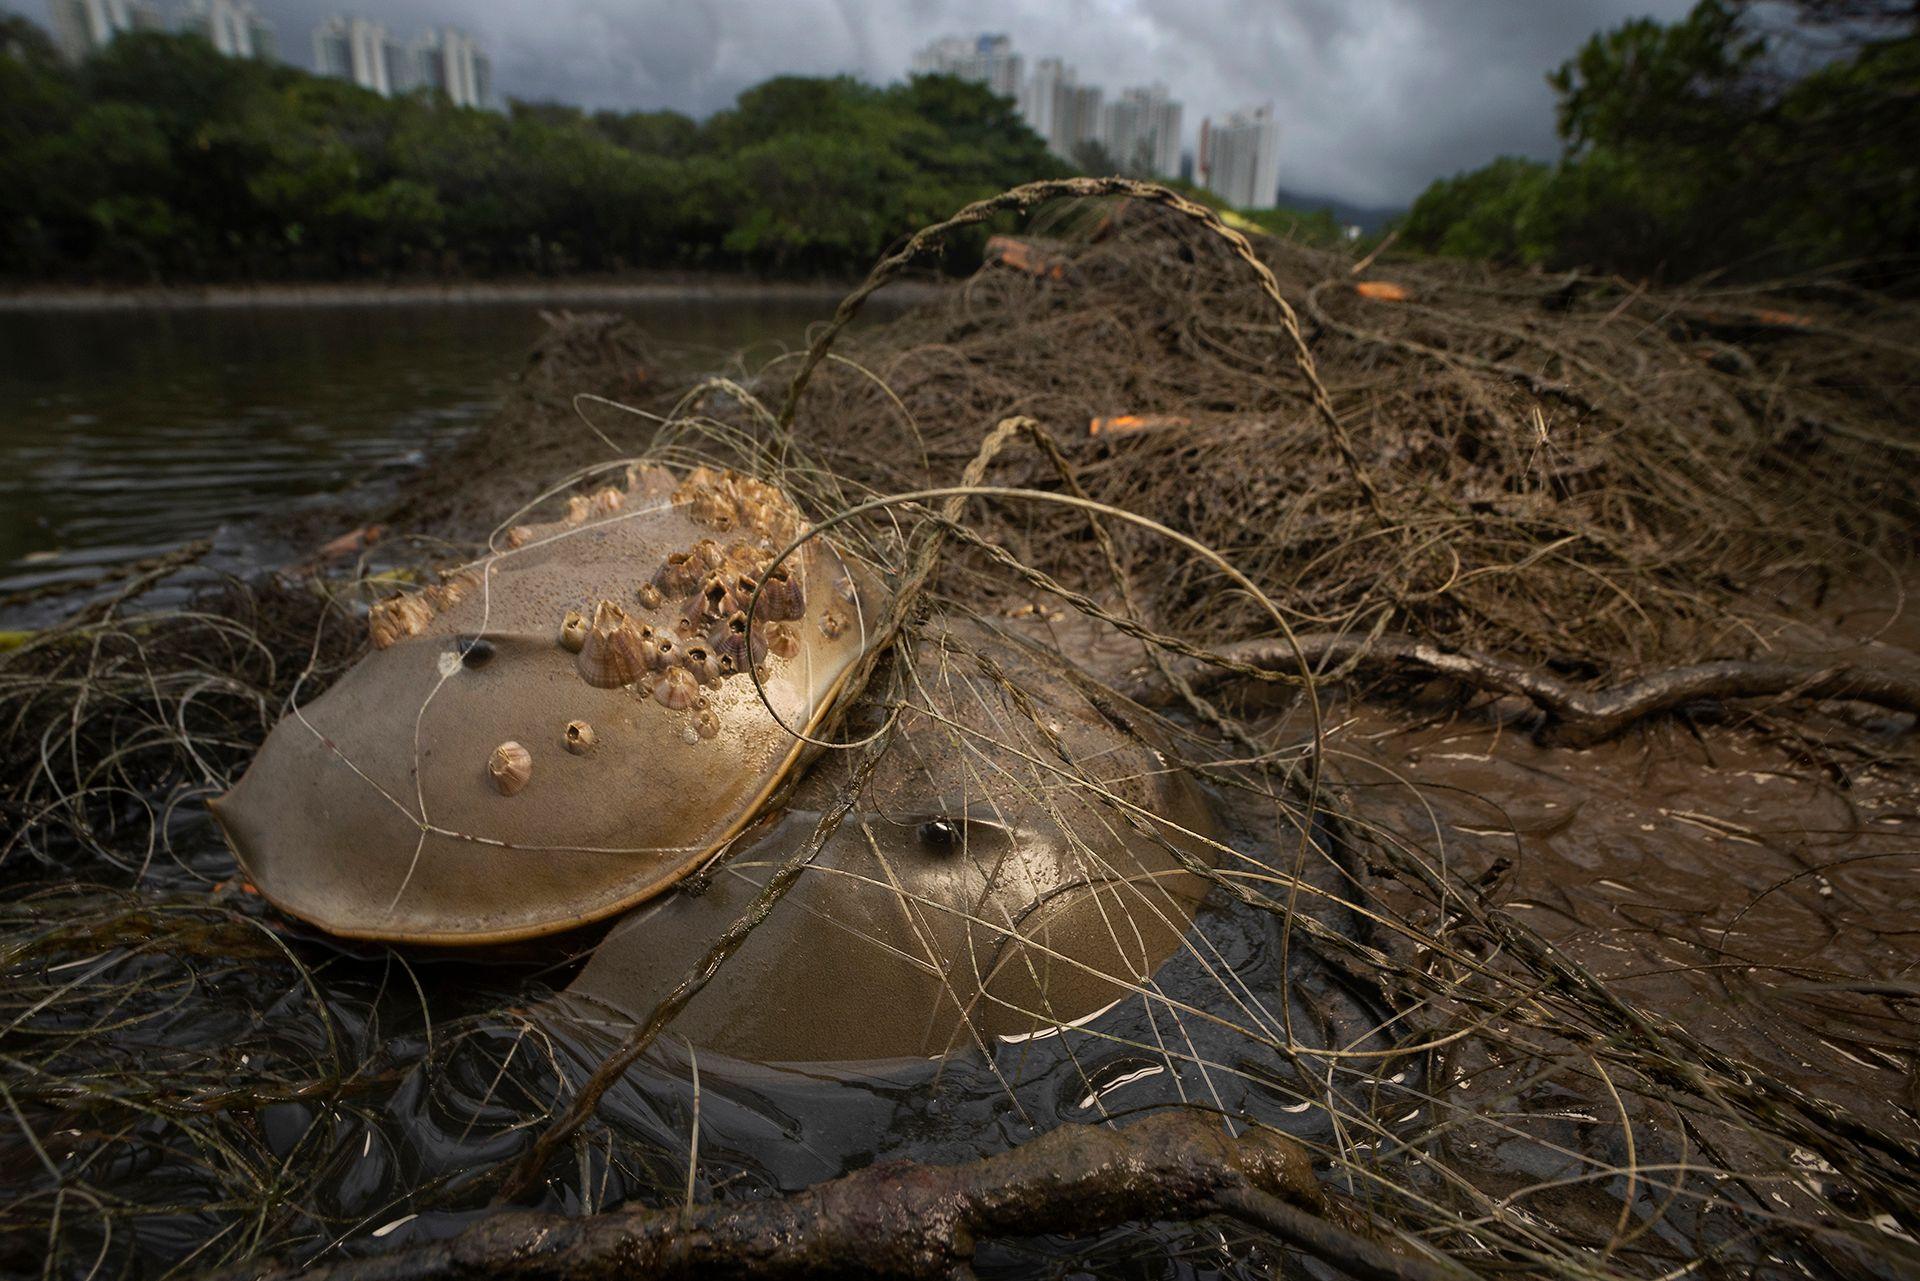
point(902, 1219)
point(1575, 717)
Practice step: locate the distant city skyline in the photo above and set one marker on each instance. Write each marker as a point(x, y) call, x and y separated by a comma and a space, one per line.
point(1237, 157)
point(1139, 129)
point(351, 47)
point(345, 46)
point(1376, 98)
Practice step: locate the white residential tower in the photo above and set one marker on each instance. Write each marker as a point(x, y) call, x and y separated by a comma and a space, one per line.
point(86, 26)
point(1240, 158)
point(444, 58)
point(234, 27)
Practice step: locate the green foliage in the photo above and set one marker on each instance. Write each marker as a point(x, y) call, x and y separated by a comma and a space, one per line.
point(1690, 147)
point(1306, 226)
point(159, 158)
point(1493, 212)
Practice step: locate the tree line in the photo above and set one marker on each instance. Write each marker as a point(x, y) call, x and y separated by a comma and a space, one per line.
point(158, 158)
point(1746, 138)
point(1751, 137)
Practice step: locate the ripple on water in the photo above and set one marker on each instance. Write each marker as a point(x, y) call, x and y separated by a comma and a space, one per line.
point(121, 432)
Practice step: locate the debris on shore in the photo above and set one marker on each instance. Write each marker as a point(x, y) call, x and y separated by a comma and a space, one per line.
point(1598, 1006)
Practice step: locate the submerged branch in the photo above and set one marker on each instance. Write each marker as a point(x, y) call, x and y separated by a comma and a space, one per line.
point(903, 1219)
point(1575, 717)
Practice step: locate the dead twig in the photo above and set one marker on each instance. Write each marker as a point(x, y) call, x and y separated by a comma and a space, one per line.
point(1575, 717)
point(903, 1219)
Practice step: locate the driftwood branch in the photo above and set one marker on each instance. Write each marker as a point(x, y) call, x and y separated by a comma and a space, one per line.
point(1575, 716)
point(904, 1220)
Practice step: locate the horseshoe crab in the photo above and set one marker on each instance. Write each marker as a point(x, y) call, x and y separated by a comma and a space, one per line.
point(1016, 862)
point(560, 730)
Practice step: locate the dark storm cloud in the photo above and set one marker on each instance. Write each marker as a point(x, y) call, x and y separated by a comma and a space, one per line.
point(1377, 97)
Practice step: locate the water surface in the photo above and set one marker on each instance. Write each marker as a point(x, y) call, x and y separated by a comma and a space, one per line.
point(126, 433)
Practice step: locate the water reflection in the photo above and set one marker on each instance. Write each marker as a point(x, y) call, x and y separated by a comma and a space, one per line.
point(124, 434)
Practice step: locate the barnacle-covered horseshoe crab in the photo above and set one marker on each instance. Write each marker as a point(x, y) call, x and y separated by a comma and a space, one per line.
point(1016, 862)
point(562, 729)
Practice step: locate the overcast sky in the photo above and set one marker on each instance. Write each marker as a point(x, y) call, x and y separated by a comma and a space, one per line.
point(1377, 97)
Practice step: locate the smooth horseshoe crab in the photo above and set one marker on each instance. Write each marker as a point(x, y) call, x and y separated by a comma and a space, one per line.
point(561, 730)
point(1016, 862)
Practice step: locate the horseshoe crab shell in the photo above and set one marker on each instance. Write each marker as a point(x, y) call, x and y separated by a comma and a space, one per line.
point(431, 795)
point(1016, 862)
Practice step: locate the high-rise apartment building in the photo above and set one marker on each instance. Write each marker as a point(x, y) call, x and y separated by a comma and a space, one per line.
point(1037, 94)
point(82, 27)
point(1077, 117)
point(363, 52)
point(1140, 130)
point(941, 56)
point(987, 59)
point(998, 66)
point(234, 27)
point(366, 53)
point(1240, 158)
point(451, 62)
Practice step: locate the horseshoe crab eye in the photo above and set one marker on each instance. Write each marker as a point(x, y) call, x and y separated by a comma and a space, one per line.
point(940, 835)
point(474, 651)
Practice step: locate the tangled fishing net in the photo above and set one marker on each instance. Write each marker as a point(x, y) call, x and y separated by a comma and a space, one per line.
point(1319, 529)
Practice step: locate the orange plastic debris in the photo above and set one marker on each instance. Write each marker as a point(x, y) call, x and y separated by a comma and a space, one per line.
point(1021, 256)
point(347, 544)
point(1755, 318)
point(1382, 290)
point(1127, 424)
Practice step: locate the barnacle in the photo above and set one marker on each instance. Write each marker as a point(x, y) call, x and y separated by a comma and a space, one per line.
point(676, 689)
point(613, 654)
point(782, 599)
point(510, 766)
point(396, 618)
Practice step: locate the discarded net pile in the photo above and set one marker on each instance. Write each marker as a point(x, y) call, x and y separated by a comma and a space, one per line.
point(1559, 471)
point(1567, 469)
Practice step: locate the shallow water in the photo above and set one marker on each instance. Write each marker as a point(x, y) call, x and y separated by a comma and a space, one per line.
point(124, 434)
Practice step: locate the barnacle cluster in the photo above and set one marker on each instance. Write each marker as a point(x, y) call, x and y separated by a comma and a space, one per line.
point(725, 501)
point(717, 608)
point(397, 617)
point(405, 614)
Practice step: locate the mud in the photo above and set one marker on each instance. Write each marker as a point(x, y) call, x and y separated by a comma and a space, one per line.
point(1717, 882)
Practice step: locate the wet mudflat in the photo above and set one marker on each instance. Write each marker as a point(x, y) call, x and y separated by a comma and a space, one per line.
point(1717, 884)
